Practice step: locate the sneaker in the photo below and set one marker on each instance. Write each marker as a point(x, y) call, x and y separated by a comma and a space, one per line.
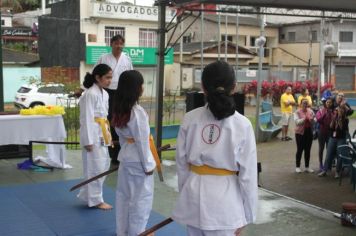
point(322, 173)
point(283, 139)
point(288, 138)
point(298, 170)
point(309, 170)
point(337, 175)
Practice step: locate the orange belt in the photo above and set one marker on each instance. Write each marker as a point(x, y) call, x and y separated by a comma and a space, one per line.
point(208, 170)
point(154, 153)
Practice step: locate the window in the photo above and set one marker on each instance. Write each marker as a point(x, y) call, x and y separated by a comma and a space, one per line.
point(291, 36)
point(148, 38)
point(283, 36)
point(187, 39)
point(2, 22)
point(51, 89)
point(23, 90)
point(253, 41)
point(314, 35)
point(229, 38)
point(346, 36)
point(111, 31)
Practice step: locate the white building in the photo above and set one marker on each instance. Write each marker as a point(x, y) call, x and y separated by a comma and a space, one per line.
point(99, 21)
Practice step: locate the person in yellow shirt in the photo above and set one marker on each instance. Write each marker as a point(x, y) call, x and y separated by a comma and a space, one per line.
point(305, 95)
point(287, 102)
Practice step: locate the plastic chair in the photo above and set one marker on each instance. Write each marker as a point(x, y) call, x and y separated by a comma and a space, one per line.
point(347, 157)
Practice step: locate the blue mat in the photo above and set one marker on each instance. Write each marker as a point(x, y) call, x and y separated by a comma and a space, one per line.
point(50, 209)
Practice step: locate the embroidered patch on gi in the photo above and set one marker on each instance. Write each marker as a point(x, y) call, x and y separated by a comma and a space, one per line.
point(210, 133)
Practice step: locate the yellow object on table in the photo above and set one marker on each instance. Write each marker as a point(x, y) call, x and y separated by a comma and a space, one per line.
point(43, 110)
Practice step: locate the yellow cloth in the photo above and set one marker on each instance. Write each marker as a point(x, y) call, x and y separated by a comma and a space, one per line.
point(105, 128)
point(43, 110)
point(305, 97)
point(208, 170)
point(287, 108)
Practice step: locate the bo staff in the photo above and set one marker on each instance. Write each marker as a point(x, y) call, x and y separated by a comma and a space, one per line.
point(107, 173)
point(156, 227)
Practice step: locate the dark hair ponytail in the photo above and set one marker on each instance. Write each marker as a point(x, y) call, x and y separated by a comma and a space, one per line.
point(127, 94)
point(218, 80)
point(100, 70)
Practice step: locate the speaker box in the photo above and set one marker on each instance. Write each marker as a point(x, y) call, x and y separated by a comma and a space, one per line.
point(196, 99)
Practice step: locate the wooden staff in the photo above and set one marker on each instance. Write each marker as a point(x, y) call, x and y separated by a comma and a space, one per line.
point(156, 227)
point(107, 173)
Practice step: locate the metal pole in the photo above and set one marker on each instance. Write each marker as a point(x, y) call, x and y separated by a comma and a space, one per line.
point(259, 81)
point(160, 72)
point(219, 35)
point(43, 5)
point(1, 74)
point(181, 57)
point(237, 40)
point(321, 53)
point(310, 53)
point(226, 18)
point(201, 40)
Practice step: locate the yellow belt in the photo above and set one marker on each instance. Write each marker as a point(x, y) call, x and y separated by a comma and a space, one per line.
point(105, 128)
point(208, 170)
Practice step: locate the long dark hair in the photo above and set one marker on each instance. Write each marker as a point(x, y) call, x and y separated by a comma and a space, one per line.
point(100, 70)
point(128, 92)
point(218, 80)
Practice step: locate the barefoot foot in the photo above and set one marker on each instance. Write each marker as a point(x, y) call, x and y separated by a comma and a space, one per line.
point(104, 206)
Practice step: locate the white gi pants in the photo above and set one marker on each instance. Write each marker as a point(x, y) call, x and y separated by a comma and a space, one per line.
point(95, 162)
point(192, 231)
point(134, 197)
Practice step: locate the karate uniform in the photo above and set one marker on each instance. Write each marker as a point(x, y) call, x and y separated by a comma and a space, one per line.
point(93, 104)
point(213, 204)
point(134, 193)
point(118, 66)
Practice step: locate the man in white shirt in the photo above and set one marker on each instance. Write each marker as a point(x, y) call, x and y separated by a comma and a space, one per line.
point(119, 62)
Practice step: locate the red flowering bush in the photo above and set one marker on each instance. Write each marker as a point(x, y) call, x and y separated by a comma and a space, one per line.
point(276, 88)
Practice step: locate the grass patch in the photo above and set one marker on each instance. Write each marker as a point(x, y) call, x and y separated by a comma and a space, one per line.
point(353, 116)
point(169, 155)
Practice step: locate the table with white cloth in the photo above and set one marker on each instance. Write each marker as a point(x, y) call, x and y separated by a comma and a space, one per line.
point(20, 129)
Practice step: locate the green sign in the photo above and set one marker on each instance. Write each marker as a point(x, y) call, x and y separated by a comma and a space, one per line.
point(138, 55)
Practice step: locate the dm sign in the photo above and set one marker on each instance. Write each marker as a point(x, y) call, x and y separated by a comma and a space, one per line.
point(138, 55)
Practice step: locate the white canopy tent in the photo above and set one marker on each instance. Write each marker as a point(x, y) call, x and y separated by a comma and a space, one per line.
point(343, 9)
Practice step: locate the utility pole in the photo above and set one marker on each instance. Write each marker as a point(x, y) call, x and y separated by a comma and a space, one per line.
point(260, 43)
point(1, 72)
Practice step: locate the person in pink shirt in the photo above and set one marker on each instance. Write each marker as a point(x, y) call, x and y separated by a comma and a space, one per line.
point(304, 119)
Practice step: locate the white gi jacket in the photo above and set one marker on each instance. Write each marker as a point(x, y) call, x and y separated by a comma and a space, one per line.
point(134, 193)
point(211, 202)
point(137, 128)
point(93, 103)
point(118, 66)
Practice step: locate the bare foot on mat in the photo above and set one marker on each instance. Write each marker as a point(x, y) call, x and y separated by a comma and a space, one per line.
point(104, 206)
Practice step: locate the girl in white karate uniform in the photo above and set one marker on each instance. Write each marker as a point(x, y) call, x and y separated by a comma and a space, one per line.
point(95, 134)
point(216, 161)
point(134, 192)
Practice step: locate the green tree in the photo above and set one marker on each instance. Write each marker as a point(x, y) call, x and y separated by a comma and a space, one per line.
point(20, 5)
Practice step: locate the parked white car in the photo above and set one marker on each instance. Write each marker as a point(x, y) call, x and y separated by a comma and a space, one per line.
point(48, 94)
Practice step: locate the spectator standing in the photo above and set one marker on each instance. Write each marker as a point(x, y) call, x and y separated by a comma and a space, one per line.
point(216, 161)
point(324, 116)
point(304, 119)
point(305, 95)
point(339, 128)
point(119, 62)
point(287, 102)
